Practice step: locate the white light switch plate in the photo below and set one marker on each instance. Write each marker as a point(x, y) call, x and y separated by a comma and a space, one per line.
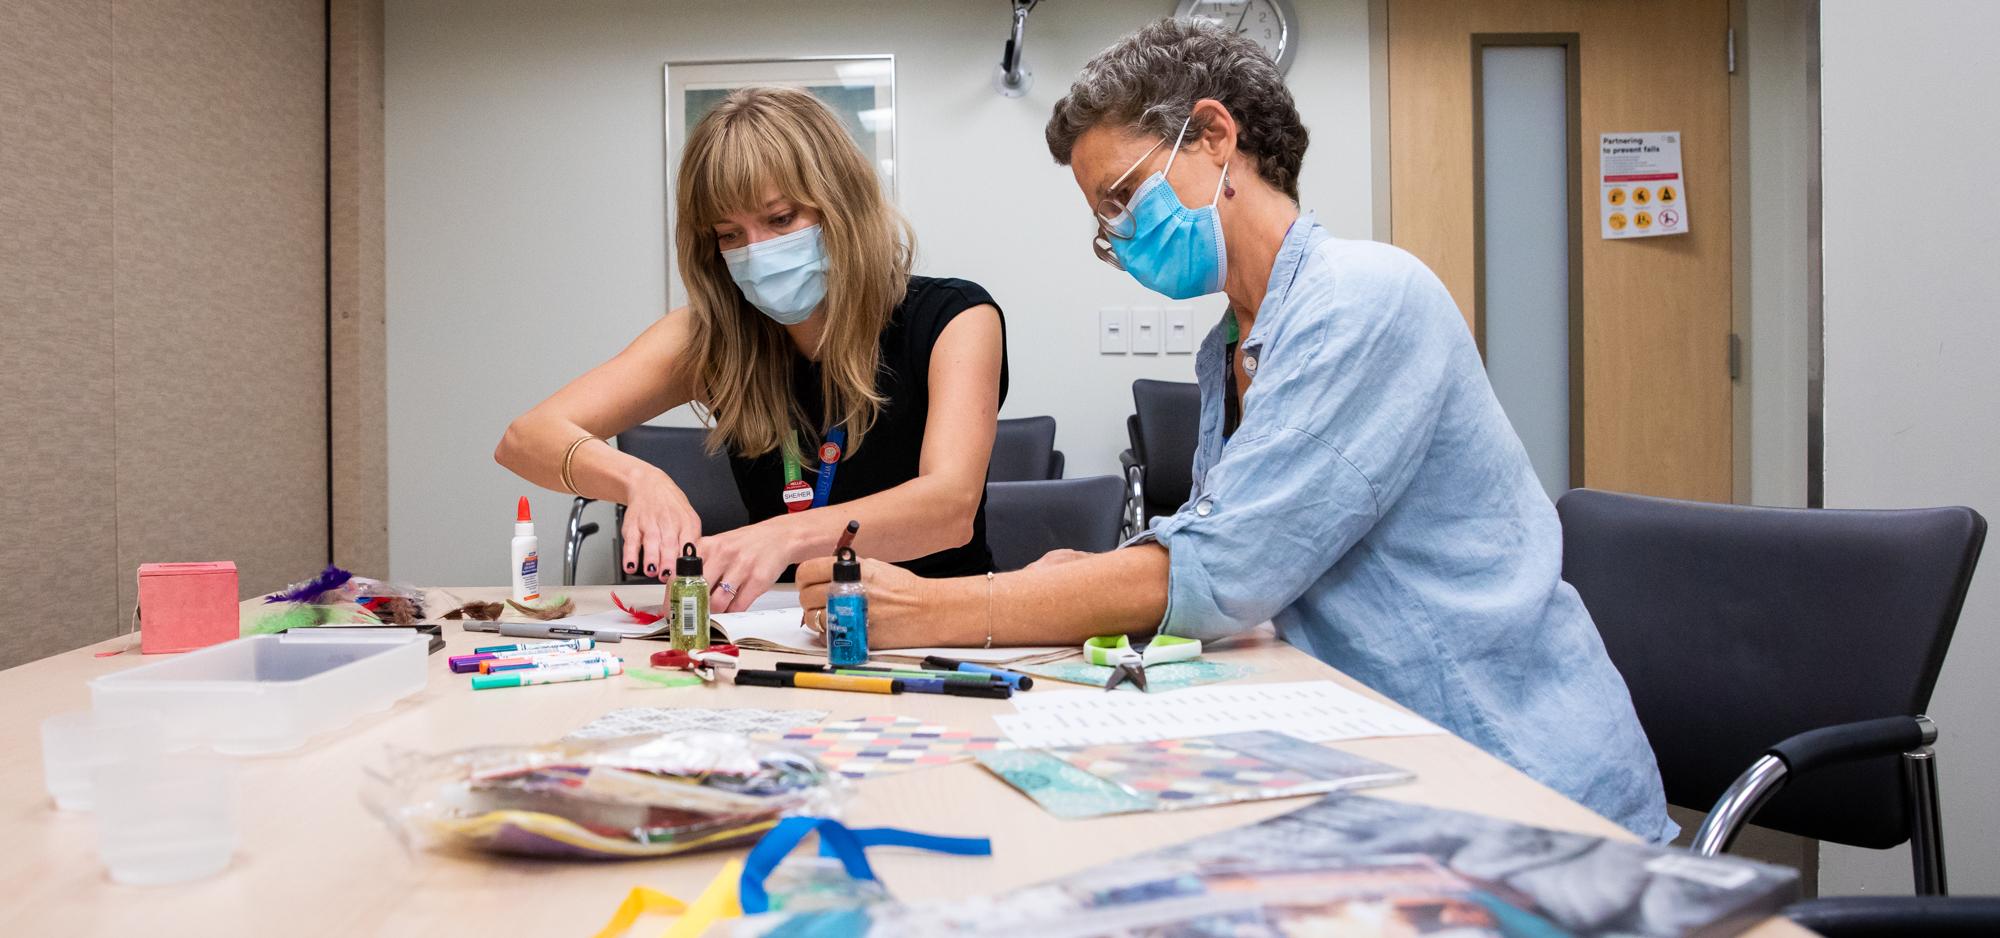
point(1145, 331)
point(1180, 331)
point(1112, 338)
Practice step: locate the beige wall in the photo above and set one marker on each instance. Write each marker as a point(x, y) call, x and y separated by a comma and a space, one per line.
point(1910, 346)
point(162, 183)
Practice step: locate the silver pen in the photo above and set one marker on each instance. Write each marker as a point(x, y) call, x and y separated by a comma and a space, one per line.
point(530, 630)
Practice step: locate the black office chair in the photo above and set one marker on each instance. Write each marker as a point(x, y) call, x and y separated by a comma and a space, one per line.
point(1737, 626)
point(1025, 520)
point(1024, 449)
point(1897, 916)
point(681, 453)
point(1159, 468)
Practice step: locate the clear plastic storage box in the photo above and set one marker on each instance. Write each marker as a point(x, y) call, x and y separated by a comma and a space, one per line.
point(268, 693)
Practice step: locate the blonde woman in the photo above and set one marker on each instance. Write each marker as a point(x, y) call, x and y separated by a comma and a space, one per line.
point(842, 386)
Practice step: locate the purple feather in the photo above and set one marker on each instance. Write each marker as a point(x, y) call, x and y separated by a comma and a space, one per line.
point(332, 578)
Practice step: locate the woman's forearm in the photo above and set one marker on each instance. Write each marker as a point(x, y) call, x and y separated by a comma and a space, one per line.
point(1119, 592)
point(533, 448)
point(915, 519)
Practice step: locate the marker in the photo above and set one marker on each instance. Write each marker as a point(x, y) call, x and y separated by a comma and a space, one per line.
point(461, 664)
point(937, 685)
point(1014, 679)
point(497, 665)
point(847, 536)
point(867, 685)
point(581, 672)
point(527, 648)
point(528, 630)
point(956, 677)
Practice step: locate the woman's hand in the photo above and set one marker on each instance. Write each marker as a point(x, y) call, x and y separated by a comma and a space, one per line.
point(658, 520)
point(902, 607)
point(742, 564)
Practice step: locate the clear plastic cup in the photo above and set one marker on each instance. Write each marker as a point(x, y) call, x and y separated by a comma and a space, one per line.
point(74, 744)
point(166, 819)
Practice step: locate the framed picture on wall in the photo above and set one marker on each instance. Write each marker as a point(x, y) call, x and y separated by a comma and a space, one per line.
point(861, 90)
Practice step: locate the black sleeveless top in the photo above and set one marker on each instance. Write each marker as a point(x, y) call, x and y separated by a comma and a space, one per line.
point(888, 455)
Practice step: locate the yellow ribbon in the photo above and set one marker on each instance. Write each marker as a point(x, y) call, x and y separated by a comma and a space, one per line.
point(718, 901)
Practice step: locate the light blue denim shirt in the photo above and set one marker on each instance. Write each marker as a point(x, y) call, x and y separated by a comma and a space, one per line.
point(1376, 504)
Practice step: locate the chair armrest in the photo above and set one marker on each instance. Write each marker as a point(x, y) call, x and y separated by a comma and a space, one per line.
point(1833, 745)
point(1858, 916)
point(573, 538)
point(1130, 460)
point(1797, 755)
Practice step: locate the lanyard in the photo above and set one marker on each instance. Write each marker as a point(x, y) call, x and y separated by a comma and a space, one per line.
point(797, 495)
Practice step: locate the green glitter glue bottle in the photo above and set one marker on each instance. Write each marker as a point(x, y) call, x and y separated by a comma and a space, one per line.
point(687, 597)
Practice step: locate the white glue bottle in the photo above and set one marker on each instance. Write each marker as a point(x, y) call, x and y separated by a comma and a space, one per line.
point(522, 556)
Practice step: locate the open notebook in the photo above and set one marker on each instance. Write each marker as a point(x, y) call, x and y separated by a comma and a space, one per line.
point(774, 623)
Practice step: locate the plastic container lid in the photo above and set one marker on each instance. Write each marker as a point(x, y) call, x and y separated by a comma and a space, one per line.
point(268, 693)
point(846, 569)
point(690, 562)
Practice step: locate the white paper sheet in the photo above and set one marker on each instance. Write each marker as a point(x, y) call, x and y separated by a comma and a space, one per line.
point(1319, 711)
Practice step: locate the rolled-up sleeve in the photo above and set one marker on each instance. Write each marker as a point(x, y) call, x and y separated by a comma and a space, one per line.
point(1335, 424)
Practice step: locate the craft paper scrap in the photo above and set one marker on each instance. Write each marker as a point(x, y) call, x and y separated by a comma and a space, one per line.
point(1188, 773)
point(643, 721)
point(1060, 788)
point(1318, 711)
point(1173, 675)
point(880, 745)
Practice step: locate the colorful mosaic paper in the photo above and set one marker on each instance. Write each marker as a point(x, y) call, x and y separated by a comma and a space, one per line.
point(880, 745)
point(1185, 773)
point(1060, 788)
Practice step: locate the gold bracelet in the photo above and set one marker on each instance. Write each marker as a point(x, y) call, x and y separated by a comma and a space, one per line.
point(989, 609)
point(569, 458)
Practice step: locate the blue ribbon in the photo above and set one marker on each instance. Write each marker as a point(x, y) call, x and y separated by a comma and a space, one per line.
point(837, 840)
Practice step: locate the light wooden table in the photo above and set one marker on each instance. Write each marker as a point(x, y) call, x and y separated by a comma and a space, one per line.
point(313, 861)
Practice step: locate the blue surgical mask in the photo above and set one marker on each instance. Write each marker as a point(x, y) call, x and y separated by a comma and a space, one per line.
point(784, 277)
point(1174, 250)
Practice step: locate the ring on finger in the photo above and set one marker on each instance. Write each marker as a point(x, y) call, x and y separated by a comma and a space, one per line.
point(726, 587)
point(819, 620)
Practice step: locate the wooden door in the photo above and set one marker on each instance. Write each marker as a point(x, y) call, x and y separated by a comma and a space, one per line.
point(1650, 335)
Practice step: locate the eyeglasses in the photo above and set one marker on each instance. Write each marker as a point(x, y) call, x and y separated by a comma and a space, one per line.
point(1114, 217)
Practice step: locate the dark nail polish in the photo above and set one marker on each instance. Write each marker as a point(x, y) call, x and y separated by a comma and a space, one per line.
point(631, 567)
point(650, 569)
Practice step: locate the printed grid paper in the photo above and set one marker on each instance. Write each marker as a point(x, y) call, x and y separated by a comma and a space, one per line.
point(1318, 711)
point(645, 721)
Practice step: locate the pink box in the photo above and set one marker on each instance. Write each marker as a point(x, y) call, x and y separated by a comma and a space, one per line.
point(185, 606)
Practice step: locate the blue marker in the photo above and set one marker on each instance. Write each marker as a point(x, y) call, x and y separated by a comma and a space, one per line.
point(1014, 679)
point(938, 685)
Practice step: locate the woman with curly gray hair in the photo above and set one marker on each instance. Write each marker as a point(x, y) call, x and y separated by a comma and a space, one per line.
point(1355, 480)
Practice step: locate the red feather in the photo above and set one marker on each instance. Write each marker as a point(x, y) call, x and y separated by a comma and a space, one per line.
point(643, 618)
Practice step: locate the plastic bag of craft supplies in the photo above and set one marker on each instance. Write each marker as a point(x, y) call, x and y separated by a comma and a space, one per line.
point(636, 796)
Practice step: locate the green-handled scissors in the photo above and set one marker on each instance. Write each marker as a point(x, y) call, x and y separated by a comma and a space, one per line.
point(1130, 664)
